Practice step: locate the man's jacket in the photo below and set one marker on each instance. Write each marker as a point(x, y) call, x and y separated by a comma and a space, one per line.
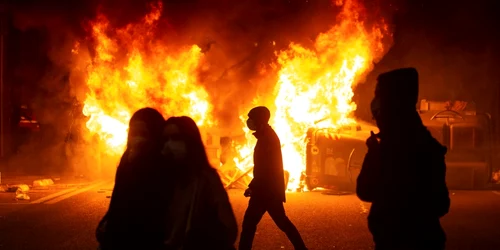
point(268, 175)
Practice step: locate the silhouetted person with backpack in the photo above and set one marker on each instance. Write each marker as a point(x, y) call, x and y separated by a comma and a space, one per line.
point(403, 174)
point(267, 189)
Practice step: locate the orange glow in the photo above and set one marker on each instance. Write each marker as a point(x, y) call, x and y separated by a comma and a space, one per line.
point(315, 86)
point(131, 70)
point(149, 74)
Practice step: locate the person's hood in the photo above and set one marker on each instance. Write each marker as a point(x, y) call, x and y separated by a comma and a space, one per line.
point(260, 115)
point(154, 122)
point(397, 90)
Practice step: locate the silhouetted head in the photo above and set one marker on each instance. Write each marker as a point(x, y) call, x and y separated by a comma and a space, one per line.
point(145, 128)
point(258, 117)
point(183, 143)
point(396, 97)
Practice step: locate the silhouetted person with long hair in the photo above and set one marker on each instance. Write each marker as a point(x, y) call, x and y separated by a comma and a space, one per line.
point(267, 188)
point(200, 215)
point(403, 174)
point(137, 211)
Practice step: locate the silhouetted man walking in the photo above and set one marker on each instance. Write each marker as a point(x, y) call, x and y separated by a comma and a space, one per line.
point(267, 189)
point(403, 174)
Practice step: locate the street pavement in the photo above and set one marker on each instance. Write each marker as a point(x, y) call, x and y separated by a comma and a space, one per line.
point(67, 220)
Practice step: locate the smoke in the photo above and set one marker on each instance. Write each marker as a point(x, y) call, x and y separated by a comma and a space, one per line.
point(45, 30)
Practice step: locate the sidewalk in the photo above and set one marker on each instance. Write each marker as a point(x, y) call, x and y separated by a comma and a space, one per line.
point(63, 181)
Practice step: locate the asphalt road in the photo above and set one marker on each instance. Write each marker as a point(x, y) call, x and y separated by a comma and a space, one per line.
point(325, 221)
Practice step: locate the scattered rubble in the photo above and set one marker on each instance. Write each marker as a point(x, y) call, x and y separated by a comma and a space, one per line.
point(21, 195)
point(21, 188)
point(14, 188)
point(43, 183)
point(20, 191)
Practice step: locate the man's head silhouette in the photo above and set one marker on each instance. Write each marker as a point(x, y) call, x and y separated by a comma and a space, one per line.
point(396, 96)
point(258, 117)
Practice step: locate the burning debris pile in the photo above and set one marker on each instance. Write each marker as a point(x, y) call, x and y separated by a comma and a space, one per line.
point(128, 68)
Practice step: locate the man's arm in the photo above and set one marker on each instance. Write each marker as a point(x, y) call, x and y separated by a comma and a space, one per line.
point(368, 178)
point(440, 191)
point(264, 168)
point(116, 197)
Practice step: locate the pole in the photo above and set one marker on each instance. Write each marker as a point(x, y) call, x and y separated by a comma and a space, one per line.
point(2, 89)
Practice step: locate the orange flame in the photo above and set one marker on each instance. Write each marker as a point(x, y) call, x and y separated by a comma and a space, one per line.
point(149, 74)
point(131, 70)
point(315, 87)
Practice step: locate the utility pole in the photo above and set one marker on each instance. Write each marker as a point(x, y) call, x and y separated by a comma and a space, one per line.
point(3, 14)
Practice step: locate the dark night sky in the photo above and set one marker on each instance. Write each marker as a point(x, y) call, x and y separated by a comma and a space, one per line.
point(452, 43)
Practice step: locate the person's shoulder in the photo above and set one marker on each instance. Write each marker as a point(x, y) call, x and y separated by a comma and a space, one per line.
point(211, 173)
point(124, 161)
point(274, 141)
point(211, 177)
point(271, 134)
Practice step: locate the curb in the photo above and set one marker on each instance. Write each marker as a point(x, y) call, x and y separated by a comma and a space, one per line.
point(4, 188)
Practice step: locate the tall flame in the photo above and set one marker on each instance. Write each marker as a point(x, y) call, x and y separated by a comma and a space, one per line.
point(315, 86)
point(131, 70)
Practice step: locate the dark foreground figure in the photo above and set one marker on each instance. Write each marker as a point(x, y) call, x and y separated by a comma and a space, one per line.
point(403, 174)
point(166, 194)
point(136, 216)
point(267, 189)
point(200, 215)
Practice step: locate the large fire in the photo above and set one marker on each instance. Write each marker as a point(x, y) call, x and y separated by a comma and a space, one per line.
point(315, 87)
point(131, 70)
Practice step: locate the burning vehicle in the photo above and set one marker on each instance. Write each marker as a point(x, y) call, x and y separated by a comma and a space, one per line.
point(334, 156)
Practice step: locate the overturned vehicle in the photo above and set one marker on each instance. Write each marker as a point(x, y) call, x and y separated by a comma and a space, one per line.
point(334, 157)
point(468, 135)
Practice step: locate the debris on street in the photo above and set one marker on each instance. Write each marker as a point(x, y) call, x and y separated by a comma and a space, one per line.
point(43, 183)
point(22, 196)
point(21, 188)
point(22, 192)
point(335, 192)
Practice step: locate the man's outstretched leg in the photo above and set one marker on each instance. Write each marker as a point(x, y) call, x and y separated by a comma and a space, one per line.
point(253, 215)
point(277, 213)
